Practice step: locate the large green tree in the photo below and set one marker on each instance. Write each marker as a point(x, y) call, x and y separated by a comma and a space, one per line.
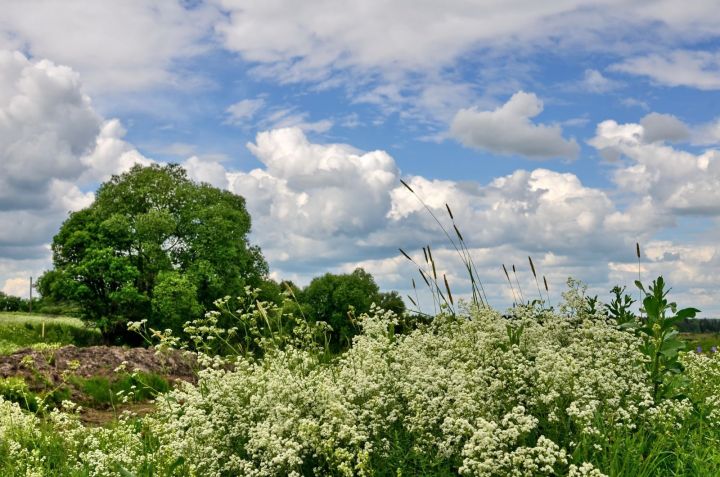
point(154, 245)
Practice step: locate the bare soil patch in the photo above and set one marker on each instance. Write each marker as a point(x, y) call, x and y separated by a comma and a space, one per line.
point(96, 361)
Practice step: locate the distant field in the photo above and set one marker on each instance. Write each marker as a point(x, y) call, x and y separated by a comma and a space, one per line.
point(705, 340)
point(23, 330)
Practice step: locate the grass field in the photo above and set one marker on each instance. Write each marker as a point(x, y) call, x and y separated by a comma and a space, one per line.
point(23, 330)
point(705, 340)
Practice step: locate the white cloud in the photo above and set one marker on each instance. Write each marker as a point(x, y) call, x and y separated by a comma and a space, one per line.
point(509, 130)
point(211, 172)
point(315, 191)
point(404, 56)
point(279, 118)
point(45, 124)
point(675, 180)
point(111, 154)
point(243, 111)
point(696, 69)
point(333, 207)
point(635, 103)
point(116, 46)
point(306, 41)
point(663, 127)
point(707, 133)
point(53, 148)
point(594, 82)
point(18, 286)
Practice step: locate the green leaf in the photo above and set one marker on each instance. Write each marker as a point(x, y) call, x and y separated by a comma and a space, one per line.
point(179, 462)
point(687, 313)
point(124, 472)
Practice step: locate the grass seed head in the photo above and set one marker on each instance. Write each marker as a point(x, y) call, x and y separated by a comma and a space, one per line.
point(447, 287)
point(532, 267)
point(449, 212)
point(406, 185)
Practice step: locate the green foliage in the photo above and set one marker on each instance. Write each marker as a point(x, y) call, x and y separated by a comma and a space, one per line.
point(12, 303)
point(620, 305)
point(15, 389)
point(661, 343)
point(101, 391)
point(338, 299)
point(153, 244)
point(700, 325)
point(175, 300)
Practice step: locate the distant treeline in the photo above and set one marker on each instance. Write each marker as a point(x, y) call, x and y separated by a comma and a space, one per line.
point(39, 305)
point(700, 325)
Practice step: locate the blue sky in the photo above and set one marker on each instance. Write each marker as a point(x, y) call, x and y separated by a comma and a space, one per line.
point(568, 130)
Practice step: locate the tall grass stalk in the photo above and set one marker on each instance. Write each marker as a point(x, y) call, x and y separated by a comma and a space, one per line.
point(431, 280)
point(637, 252)
point(532, 267)
point(512, 289)
point(479, 297)
point(522, 298)
point(547, 290)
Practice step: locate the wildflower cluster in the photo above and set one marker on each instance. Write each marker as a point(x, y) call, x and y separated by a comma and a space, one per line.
point(565, 393)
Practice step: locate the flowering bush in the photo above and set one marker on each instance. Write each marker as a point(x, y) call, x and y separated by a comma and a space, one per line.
point(477, 394)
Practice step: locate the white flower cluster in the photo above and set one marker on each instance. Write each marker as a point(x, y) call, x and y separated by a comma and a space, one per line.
point(454, 392)
point(703, 372)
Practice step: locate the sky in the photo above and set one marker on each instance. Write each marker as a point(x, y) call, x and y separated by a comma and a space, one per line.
point(565, 130)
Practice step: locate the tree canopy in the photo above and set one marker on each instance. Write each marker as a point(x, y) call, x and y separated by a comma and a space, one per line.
point(330, 297)
point(155, 245)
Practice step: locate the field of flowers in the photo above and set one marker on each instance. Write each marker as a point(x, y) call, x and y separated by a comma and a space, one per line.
point(534, 392)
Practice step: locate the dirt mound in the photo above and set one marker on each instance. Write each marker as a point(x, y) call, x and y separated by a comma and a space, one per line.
point(95, 361)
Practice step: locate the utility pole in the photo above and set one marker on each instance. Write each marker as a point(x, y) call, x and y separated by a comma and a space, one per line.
point(31, 294)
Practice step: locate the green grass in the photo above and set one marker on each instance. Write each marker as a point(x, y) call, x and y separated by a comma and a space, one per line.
point(24, 330)
point(101, 391)
point(704, 340)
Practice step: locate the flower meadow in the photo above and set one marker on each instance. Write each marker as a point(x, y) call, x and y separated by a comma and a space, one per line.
point(567, 391)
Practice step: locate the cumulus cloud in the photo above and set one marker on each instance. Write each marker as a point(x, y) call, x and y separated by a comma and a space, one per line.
point(53, 147)
point(311, 196)
point(696, 69)
point(334, 207)
point(509, 130)
point(111, 154)
point(46, 123)
point(706, 134)
point(663, 127)
point(117, 46)
point(675, 180)
point(212, 172)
